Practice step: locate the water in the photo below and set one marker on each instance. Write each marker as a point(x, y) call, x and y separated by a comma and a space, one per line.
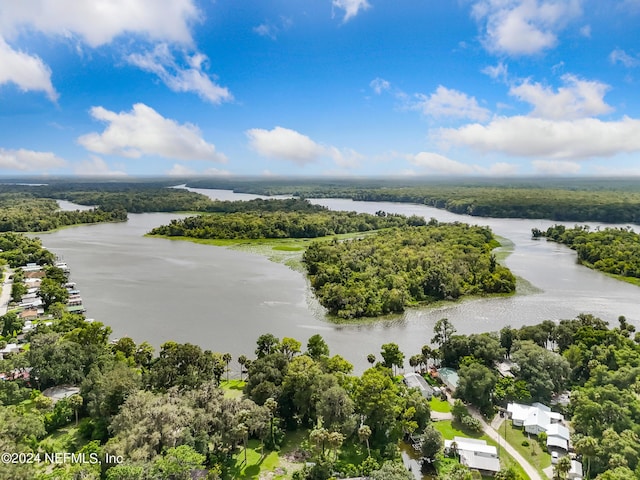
point(158, 290)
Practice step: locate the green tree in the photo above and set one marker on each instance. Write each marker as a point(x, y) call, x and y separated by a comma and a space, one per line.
point(475, 385)
point(391, 471)
point(75, 402)
point(317, 347)
point(364, 432)
point(290, 347)
point(177, 463)
point(52, 292)
point(561, 469)
point(267, 344)
point(226, 358)
point(10, 324)
point(432, 443)
point(392, 356)
point(442, 332)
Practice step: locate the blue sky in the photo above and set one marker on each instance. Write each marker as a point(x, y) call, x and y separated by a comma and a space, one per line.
point(320, 87)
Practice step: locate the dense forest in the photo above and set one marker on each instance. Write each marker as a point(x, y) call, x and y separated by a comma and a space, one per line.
point(579, 200)
point(116, 196)
point(304, 221)
point(390, 270)
point(21, 212)
point(610, 250)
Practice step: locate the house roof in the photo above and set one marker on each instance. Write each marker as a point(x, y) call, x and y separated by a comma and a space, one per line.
point(576, 468)
point(534, 415)
point(413, 380)
point(476, 453)
point(558, 443)
point(557, 430)
point(449, 376)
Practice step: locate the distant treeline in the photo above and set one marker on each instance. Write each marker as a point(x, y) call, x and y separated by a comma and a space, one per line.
point(390, 270)
point(280, 219)
point(611, 250)
point(22, 212)
point(606, 201)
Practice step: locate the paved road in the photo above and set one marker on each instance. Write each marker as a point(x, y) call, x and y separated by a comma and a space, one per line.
point(5, 296)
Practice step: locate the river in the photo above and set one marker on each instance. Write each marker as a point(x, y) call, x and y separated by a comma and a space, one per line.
point(221, 299)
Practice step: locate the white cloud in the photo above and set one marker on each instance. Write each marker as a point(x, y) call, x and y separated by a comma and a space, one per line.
point(283, 143)
point(445, 102)
point(379, 85)
point(585, 31)
point(524, 27)
point(271, 30)
point(286, 144)
point(437, 163)
point(351, 7)
point(555, 167)
point(28, 72)
point(441, 165)
point(576, 99)
point(499, 72)
point(179, 78)
point(96, 167)
point(552, 139)
point(620, 56)
point(345, 158)
point(179, 170)
point(143, 131)
point(27, 160)
point(98, 22)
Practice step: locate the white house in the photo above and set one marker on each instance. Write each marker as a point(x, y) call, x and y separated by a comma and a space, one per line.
point(538, 418)
point(475, 454)
point(576, 471)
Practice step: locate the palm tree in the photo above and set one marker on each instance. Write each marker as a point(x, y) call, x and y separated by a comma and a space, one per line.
point(562, 468)
point(242, 360)
point(227, 360)
point(364, 432)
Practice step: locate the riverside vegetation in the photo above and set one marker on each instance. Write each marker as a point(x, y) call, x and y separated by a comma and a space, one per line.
point(410, 263)
point(615, 251)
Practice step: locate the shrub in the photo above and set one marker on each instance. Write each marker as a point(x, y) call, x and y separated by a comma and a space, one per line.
point(472, 424)
point(525, 443)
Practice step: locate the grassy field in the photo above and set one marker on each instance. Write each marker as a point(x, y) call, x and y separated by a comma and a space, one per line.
point(232, 388)
point(275, 465)
point(534, 453)
point(450, 429)
point(438, 405)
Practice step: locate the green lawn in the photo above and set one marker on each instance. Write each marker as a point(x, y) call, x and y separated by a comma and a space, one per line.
point(534, 453)
point(438, 405)
point(232, 388)
point(450, 429)
point(271, 462)
point(66, 439)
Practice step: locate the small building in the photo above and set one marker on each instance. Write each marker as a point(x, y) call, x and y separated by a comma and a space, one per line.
point(576, 471)
point(61, 391)
point(28, 315)
point(9, 349)
point(414, 380)
point(475, 454)
point(449, 377)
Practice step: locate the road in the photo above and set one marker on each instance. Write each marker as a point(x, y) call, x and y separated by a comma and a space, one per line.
point(5, 296)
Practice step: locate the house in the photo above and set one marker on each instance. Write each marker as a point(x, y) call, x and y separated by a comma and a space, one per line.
point(414, 380)
point(538, 418)
point(9, 349)
point(475, 454)
point(576, 471)
point(60, 392)
point(31, 267)
point(449, 377)
point(28, 315)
